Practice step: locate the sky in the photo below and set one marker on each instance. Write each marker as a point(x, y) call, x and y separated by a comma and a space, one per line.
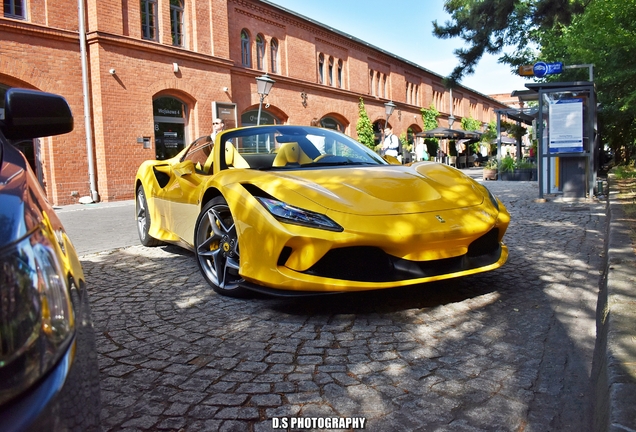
point(404, 28)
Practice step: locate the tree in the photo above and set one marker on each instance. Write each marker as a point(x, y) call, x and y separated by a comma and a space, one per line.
point(602, 33)
point(364, 128)
point(605, 36)
point(429, 119)
point(488, 26)
point(470, 124)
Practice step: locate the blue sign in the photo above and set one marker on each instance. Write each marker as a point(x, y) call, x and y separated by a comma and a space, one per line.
point(542, 69)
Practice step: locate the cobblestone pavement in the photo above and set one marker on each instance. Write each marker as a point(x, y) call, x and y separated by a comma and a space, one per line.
point(509, 350)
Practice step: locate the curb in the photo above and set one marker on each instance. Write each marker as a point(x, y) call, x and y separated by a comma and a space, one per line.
point(614, 364)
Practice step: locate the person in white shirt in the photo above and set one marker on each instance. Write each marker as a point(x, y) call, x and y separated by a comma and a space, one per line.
point(391, 142)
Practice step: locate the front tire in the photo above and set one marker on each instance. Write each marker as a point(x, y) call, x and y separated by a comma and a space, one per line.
point(143, 220)
point(216, 248)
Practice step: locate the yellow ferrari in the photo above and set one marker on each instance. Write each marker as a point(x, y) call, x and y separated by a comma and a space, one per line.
point(292, 210)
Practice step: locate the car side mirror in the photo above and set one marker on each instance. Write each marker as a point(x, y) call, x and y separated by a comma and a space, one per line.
point(31, 114)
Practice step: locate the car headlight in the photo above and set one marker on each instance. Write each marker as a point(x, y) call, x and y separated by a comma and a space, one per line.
point(36, 314)
point(297, 216)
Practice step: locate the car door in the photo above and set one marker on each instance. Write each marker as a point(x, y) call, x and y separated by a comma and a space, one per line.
point(178, 200)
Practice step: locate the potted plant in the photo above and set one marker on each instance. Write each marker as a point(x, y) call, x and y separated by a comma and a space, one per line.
point(511, 170)
point(526, 170)
point(507, 168)
point(490, 170)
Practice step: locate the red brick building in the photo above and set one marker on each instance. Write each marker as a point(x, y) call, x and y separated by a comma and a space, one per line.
point(158, 71)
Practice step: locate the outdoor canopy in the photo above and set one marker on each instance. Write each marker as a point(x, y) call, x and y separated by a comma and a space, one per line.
point(441, 132)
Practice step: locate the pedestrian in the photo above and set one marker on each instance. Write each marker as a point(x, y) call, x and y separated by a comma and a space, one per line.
point(391, 143)
point(217, 127)
point(316, 140)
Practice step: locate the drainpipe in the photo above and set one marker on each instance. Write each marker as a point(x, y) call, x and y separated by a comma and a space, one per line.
point(87, 103)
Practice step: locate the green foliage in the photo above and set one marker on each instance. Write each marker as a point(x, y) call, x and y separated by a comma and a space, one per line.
point(406, 146)
point(624, 172)
point(507, 164)
point(597, 32)
point(522, 164)
point(491, 164)
point(429, 117)
point(364, 127)
point(605, 36)
point(490, 133)
point(490, 25)
point(510, 164)
point(471, 124)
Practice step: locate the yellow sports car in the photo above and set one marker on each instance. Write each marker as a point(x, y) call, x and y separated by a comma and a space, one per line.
point(291, 210)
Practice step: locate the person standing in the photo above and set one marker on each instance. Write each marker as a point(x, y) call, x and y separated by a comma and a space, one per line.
point(217, 127)
point(391, 142)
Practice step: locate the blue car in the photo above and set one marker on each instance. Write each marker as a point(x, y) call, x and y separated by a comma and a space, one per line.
point(49, 377)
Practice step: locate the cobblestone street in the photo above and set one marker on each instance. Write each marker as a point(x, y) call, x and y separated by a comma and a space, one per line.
point(508, 350)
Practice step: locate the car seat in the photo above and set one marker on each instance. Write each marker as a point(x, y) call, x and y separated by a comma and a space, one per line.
point(290, 154)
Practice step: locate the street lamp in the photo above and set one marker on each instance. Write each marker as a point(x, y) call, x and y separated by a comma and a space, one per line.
point(451, 121)
point(388, 109)
point(263, 86)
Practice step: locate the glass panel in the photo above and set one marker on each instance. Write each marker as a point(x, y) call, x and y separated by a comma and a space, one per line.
point(246, 58)
point(274, 55)
point(260, 51)
point(169, 115)
point(176, 21)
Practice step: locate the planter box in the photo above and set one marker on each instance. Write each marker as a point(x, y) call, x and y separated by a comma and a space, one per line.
point(524, 174)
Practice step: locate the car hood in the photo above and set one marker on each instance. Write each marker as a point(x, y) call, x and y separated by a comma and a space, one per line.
point(382, 190)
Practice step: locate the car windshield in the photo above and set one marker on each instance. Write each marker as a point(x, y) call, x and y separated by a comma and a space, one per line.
point(285, 147)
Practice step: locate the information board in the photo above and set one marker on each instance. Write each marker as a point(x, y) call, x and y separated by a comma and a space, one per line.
point(566, 126)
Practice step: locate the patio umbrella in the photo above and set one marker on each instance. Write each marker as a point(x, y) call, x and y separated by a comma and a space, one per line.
point(475, 135)
point(442, 132)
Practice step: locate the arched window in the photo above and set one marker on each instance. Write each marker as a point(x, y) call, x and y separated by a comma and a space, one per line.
point(169, 114)
point(332, 123)
point(246, 57)
point(330, 77)
point(321, 69)
point(260, 52)
point(340, 85)
point(273, 48)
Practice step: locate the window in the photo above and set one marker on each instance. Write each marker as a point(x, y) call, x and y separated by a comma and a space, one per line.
point(149, 19)
point(371, 86)
point(340, 85)
point(246, 57)
point(176, 22)
point(260, 52)
point(14, 9)
point(321, 69)
point(273, 47)
point(330, 77)
point(169, 115)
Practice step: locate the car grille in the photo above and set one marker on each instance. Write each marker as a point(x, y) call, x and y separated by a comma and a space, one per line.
point(372, 264)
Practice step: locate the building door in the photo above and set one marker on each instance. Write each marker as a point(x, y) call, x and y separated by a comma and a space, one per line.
point(169, 116)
